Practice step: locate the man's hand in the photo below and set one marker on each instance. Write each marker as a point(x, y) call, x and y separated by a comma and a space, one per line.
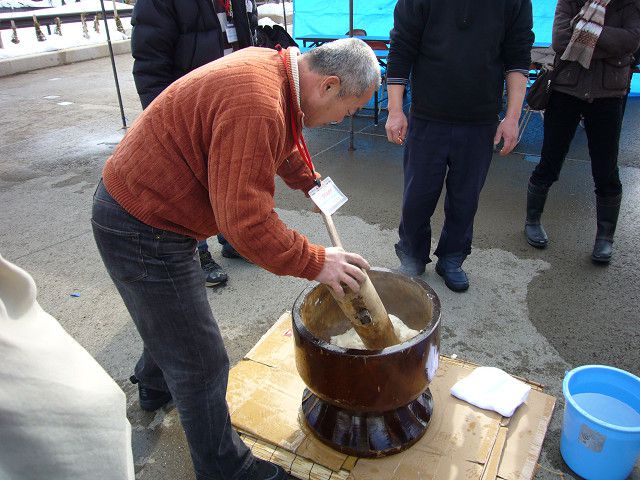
point(342, 267)
point(507, 131)
point(396, 127)
point(508, 128)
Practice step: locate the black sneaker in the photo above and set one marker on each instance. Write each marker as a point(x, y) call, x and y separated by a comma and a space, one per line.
point(215, 274)
point(150, 399)
point(263, 470)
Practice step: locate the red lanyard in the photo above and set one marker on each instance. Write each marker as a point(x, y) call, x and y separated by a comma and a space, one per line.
point(228, 8)
point(297, 136)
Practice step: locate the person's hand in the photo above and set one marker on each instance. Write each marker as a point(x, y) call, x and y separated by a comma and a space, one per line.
point(342, 267)
point(396, 127)
point(507, 131)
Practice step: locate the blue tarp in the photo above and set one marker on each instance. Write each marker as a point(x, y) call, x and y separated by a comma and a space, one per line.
point(543, 11)
point(331, 17)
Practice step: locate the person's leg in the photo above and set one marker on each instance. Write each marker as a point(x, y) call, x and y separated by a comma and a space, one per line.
point(471, 153)
point(603, 122)
point(153, 393)
point(425, 160)
point(561, 119)
point(148, 369)
point(214, 273)
point(159, 278)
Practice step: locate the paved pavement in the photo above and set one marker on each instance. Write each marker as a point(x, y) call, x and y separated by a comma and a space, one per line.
point(533, 313)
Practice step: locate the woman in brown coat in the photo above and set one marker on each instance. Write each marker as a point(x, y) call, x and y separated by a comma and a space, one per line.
point(594, 41)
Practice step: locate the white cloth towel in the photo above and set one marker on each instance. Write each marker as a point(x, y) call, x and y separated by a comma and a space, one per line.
point(492, 389)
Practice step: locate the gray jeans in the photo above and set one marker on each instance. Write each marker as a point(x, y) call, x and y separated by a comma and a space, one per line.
point(158, 275)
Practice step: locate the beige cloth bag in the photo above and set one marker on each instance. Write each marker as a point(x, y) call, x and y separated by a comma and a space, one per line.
point(62, 417)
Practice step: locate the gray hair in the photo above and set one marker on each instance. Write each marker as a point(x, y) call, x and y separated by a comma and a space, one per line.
point(349, 59)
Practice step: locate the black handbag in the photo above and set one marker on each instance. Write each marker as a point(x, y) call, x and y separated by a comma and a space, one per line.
point(539, 93)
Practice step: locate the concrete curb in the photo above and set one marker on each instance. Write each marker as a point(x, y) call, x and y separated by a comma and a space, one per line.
point(27, 63)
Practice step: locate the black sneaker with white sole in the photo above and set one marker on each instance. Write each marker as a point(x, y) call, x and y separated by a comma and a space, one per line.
point(214, 272)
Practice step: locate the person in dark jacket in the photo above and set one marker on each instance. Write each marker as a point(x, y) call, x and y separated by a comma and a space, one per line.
point(172, 37)
point(594, 44)
point(458, 55)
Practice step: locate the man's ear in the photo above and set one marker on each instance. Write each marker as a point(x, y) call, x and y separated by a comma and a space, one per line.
point(331, 84)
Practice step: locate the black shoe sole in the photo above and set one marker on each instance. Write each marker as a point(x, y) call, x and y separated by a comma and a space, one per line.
point(214, 284)
point(601, 260)
point(456, 289)
point(537, 245)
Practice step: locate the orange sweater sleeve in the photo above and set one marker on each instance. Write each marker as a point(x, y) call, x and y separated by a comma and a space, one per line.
point(242, 158)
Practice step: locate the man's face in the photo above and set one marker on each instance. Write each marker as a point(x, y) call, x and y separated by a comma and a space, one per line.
point(325, 105)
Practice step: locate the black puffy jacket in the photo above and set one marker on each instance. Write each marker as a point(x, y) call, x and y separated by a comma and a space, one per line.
point(172, 37)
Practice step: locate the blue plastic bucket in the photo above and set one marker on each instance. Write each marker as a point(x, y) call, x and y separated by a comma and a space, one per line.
point(601, 425)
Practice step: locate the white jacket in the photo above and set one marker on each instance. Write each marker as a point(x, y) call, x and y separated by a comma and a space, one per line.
point(62, 417)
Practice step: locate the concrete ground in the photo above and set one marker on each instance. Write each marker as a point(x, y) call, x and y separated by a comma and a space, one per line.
point(534, 313)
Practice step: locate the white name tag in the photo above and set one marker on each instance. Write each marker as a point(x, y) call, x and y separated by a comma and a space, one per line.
point(232, 35)
point(328, 197)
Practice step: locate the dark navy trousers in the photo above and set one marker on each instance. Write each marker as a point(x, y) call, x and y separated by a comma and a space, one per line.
point(438, 154)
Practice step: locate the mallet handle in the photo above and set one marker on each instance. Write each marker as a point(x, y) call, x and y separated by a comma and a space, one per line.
point(364, 310)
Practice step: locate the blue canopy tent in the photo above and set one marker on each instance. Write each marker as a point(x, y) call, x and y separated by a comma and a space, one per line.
point(543, 11)
point(331, 17)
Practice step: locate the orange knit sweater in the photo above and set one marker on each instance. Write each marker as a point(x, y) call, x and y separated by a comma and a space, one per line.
point(201, 160)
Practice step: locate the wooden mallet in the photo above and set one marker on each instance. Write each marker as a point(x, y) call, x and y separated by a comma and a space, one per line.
point(364, 309)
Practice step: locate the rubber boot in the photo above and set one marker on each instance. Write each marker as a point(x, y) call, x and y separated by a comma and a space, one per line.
point(450, 268)
point(607, 209)
point(533, 229)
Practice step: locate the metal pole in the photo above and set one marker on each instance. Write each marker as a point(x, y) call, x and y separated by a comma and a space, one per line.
point(113, 65)
point(284, 15)
point(351, 147)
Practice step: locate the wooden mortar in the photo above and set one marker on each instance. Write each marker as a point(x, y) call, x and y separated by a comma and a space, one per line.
point(368, 403)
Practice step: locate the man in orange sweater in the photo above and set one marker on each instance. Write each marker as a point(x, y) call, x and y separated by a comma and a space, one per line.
point(188, 169)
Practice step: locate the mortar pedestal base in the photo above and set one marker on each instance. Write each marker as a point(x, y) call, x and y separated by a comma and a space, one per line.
point(366, 434)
